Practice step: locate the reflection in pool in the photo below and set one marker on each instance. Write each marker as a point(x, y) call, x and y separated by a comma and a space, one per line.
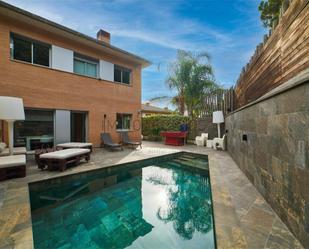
point(166, 205)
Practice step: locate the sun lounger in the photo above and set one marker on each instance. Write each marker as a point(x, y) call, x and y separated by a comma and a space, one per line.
point(62, 158)
point(107, 141)
point(126, 140)
point(73, 145)
point(12, 167)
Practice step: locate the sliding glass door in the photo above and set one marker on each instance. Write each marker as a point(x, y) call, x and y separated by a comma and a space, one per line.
point(78, 126)
point(46, 128)
point(36, 131)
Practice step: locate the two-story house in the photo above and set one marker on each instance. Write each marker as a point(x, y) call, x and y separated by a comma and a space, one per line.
point(74, 87)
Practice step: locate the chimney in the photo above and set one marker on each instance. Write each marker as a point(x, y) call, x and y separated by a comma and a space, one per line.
point(104, 36)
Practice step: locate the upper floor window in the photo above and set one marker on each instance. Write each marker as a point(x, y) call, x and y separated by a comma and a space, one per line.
point(31, 51)
point(85, 66)
point(122, 75)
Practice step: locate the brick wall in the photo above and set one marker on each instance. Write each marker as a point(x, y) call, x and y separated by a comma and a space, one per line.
point(42, 87)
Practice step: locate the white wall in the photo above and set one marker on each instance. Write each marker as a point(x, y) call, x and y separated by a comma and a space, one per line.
point(62, 59)
point(62, 133)
point(106, 71)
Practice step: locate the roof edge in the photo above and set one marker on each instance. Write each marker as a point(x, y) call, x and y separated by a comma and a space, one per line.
point(3, 4)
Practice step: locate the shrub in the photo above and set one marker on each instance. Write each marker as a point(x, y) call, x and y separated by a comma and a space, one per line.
point(154, 124)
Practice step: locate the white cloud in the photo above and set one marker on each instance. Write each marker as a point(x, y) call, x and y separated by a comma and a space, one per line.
point(154, 29)
point(161, 27)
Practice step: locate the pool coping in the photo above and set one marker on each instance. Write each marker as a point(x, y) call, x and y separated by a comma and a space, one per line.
point(107, 167)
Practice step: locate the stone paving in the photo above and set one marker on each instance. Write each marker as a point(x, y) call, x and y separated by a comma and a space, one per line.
point(242, 217)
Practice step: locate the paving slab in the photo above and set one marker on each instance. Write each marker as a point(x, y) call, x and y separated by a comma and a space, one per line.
point(243, 219)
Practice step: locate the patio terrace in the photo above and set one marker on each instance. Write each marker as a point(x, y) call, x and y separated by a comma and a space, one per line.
point(243, 219)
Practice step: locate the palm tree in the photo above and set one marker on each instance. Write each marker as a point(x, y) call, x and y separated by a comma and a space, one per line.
point(189, 203)
point(191, 75)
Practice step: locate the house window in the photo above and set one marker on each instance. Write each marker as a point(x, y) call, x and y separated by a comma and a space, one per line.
point(122, 75)
point(85, 66)
point(123, 121)
point(36, 131)
point(117, 74)
point(31, 51)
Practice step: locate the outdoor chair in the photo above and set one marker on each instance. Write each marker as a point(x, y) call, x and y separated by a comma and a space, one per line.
point(127, 141)
point(107, 141)
point(201, 140)
point(219, 143)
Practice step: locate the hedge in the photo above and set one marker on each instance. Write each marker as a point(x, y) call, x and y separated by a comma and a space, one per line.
point(154, 124)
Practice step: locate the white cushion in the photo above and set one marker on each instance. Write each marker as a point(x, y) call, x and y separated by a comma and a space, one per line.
point(74, 145)
point(19, 150)
point(16, 151)
point(5, 152)
point(2, 146)
point(11, 161)
point(64, 154)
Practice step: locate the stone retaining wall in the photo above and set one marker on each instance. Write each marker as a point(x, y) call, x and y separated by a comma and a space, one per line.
point(269, 141)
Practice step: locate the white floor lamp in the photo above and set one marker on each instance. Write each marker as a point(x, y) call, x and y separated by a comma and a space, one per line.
point(217, 118)
point(11, 109)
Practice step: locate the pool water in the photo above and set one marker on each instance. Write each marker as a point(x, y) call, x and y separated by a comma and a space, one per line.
point(164, 203)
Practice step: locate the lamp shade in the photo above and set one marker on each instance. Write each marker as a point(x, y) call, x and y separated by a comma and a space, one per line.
point(217, 117)
point(11, 108)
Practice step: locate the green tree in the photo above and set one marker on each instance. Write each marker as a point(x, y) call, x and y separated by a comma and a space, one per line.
point(270, 10)
point(191, 76)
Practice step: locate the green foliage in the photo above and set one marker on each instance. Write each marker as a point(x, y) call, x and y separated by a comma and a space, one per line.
point(191, 75)
point(154, 124)
point(270, 10)
point(189, 204)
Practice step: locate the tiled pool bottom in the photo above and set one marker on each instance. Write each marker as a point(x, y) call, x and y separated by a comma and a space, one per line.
point(154, 203)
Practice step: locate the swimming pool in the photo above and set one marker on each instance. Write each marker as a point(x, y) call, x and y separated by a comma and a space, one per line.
point(162, 202)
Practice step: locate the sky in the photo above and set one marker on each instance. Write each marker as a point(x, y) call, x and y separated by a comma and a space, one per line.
point(229, 30)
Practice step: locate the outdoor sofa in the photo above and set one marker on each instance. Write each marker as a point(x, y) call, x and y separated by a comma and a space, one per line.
point(73, 145)
point(60, 159)
point(12, 166)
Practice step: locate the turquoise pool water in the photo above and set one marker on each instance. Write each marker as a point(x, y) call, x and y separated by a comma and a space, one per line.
point(157, 203)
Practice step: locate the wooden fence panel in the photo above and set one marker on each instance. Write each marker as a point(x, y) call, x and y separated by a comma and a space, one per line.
point(213, 102)
point(279, 58)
